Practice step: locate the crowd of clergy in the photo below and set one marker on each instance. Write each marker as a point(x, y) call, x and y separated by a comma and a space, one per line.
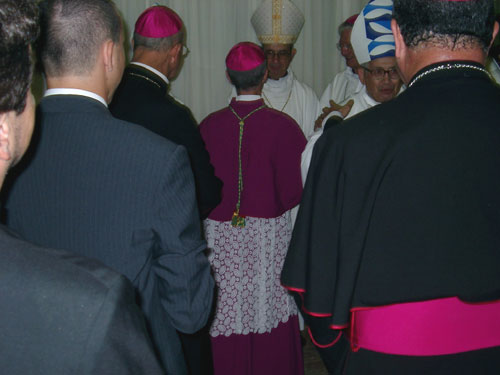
point(199, 218)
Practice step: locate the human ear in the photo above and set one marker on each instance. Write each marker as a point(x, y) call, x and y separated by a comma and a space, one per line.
point(495, 32)
point(108, 54)
point(5, 129)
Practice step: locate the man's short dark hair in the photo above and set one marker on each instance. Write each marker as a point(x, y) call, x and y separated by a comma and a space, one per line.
point(248, 79)
point(18, 29)
point(72, 32)
point(158, 44)
point(447, 24)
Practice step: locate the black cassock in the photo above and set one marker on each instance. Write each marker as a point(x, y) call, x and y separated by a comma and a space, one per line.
point(142, 98)
point(402, 204)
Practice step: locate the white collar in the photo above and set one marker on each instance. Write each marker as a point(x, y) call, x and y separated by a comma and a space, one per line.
point(282, 84)
point(247, 98)
point(369, 100)
point(65, 91)
point(350, 72)
point(152, 70)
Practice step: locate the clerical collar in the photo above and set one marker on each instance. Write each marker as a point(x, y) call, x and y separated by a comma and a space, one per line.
point(66, 91)
point(444, 66)
point(152, 70)
point(248, 98)
point(282, 84)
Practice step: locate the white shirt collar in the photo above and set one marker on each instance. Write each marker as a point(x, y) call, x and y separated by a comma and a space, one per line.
point(153, 70)
point(247, 98)
point(65, 91)
point(280, 85)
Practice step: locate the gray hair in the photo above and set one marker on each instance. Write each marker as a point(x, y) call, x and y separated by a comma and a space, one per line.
point(159, 44)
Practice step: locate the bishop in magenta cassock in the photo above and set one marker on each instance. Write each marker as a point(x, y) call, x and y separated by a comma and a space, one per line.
point(256, 153)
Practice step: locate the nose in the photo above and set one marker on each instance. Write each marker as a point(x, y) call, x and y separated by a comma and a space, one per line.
point(275, 57)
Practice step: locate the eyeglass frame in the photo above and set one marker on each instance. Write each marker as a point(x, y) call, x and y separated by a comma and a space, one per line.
point(185, 51)
point(282, 54)
point(390, 73)
point(340, 46)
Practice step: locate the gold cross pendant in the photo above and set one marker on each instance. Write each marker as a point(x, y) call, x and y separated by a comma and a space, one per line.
point(238, 221)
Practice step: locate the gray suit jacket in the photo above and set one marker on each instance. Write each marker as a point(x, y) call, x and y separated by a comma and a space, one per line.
point(64, 314)
point(111, 190)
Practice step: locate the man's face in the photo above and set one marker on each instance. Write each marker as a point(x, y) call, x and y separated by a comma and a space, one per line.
point(279, 57)
point(381, 79)
point(23, 128)
point(346, 50)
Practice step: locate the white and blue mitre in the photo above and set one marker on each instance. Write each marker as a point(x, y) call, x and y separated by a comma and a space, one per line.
point(371, 36)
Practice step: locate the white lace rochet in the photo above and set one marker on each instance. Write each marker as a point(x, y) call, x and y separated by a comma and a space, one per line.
point(247, 263)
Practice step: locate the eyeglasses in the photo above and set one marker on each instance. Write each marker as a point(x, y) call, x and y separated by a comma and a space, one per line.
point(379, 73)
point(185, 51)
point(270, 54)
point(341, 46)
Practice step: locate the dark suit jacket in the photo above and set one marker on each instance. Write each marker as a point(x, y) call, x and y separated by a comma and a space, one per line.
point(111, 190)
point(64, 314)
point(142, 98)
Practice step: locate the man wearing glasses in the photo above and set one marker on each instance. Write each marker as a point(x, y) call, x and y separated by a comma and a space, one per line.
point(345, 83)
point(277, 24)
point(381, 83)
point(142, 96)
point(377, 72)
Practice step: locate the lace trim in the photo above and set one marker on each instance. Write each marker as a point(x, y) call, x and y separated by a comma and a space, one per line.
point(247, 263)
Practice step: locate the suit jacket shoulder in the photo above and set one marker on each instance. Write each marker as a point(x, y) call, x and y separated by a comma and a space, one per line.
point(63, 313)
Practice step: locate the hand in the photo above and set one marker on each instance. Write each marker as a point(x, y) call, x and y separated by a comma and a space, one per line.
point(344, 111)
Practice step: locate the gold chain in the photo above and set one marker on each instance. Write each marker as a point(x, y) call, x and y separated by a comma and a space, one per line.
point(448, 67)
point(237, 220)
point(146, 78)
point(269, 102)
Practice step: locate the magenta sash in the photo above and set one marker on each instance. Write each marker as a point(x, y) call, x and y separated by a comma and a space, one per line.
point(428, 328)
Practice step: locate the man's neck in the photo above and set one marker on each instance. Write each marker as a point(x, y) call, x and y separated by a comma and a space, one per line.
point(249, 92)
point(422, 57)
point(153, 59)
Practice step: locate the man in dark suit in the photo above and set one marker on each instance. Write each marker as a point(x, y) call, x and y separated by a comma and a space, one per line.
point(108, 189)
point(61, 313)
point(142, 96)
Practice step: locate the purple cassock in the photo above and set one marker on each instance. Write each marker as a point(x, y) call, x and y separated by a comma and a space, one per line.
point(271, 148)
point(255, 329)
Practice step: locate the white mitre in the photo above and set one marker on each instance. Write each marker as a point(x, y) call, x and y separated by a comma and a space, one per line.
point(277, 21)
point(371, 36)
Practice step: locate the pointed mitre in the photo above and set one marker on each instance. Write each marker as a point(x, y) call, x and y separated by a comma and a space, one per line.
point(371, 36)
point(277, 21)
